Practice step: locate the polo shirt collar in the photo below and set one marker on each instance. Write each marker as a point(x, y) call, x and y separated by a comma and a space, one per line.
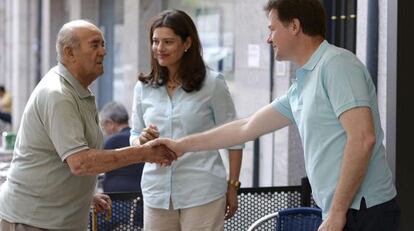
point(316, 56)
point(80, 90)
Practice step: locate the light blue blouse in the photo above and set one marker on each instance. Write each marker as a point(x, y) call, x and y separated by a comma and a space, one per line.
point(330, 83)
point(195, 178)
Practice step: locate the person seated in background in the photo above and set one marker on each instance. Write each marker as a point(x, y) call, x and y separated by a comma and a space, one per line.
point(5, 105)
point(114, 122)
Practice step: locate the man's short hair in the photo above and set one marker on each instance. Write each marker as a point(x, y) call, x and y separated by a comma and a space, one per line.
point(310, 14)
point(114, 111)
point(67, 36)
point(2, 88)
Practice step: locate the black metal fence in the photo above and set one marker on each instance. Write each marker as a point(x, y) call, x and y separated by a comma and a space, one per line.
point(126, 214)
point(254, 203)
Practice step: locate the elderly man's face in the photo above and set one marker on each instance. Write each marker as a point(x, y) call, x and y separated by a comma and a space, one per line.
point(89, 56)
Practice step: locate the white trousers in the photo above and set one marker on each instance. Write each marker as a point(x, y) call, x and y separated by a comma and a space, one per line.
point(208, 217)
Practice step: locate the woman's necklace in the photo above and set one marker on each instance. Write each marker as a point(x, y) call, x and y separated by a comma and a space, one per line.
point(172, 84)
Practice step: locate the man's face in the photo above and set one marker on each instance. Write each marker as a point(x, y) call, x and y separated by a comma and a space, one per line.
point(279, 37)
point(108, 127)
point(90, 54)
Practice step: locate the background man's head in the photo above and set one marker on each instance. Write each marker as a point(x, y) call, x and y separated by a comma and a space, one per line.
point(80, 47)
point(2, 90)
point(113, 118)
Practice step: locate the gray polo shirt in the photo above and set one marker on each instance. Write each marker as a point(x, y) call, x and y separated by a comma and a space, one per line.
point(59, 120)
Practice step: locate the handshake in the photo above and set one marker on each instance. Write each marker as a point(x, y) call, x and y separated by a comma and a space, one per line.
point(158, 150)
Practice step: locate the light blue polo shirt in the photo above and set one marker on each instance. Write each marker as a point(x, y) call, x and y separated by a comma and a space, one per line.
point(330, 83)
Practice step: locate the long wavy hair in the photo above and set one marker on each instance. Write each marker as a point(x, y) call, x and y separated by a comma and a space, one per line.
point(192, 69)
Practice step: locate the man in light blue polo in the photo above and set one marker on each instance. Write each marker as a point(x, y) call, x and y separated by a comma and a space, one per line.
point(333, 103)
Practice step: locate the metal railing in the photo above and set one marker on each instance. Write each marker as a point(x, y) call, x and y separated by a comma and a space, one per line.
point(254, 203)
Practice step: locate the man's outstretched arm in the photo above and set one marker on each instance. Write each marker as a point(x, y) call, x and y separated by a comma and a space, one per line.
point(95, 161)
point(263, 121)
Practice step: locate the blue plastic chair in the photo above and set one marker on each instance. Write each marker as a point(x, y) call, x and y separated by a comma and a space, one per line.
point(293, 219)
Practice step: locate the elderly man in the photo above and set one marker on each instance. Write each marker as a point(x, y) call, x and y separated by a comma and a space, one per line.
point(334, 105)
point(58, 153)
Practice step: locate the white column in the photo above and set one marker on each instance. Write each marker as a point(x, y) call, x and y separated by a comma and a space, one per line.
point(2, 40)
point(135, 50)
point(130, 51)
point(23, 60)
point(46, 21)
point(74, 9)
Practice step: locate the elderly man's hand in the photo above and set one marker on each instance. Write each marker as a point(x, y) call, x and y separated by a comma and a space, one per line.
point(158, 154)
point(169, 143)
point(101, 203)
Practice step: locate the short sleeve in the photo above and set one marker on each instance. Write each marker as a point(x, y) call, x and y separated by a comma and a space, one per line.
point(346, 84)
point(64, 125)
point(137, 114)
point(222, 105)
point(282, 105)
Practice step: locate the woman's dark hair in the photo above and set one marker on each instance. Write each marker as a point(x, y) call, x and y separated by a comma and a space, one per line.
point(192, 69)
point(310, 14)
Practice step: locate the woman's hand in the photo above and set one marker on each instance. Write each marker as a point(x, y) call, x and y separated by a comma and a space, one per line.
point(232, 203)
point(148, 133)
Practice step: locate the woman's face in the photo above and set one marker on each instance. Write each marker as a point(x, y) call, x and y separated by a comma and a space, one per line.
point(168, 48)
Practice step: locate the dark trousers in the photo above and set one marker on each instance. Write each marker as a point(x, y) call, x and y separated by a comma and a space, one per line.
point(6, 117)
point(382, 217)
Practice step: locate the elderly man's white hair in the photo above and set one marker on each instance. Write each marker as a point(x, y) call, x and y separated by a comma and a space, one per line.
point(67, 37)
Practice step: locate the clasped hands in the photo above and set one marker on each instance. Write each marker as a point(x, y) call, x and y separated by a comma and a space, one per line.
point(158, 150)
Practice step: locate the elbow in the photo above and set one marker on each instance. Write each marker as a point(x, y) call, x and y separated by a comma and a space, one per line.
point(77, 170)
point(77, 165)
point(364, 143)
point(369, 142)
point(246, 130)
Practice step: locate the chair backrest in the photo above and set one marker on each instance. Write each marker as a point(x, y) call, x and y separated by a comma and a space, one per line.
point(127, 213)
point(255, 203)
point(291, 219)
point(297, 219)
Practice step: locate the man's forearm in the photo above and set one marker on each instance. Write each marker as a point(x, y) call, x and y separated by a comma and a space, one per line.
point(355, 162)
point(218, 138)
point(94, 161)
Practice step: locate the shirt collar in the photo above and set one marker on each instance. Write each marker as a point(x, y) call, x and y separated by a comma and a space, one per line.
point(316, 56)
point(82, 92)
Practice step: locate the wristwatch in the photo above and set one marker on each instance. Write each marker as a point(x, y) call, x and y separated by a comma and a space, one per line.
point(235, 183)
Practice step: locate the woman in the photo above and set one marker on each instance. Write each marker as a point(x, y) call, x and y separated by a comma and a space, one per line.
point(177, 98)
